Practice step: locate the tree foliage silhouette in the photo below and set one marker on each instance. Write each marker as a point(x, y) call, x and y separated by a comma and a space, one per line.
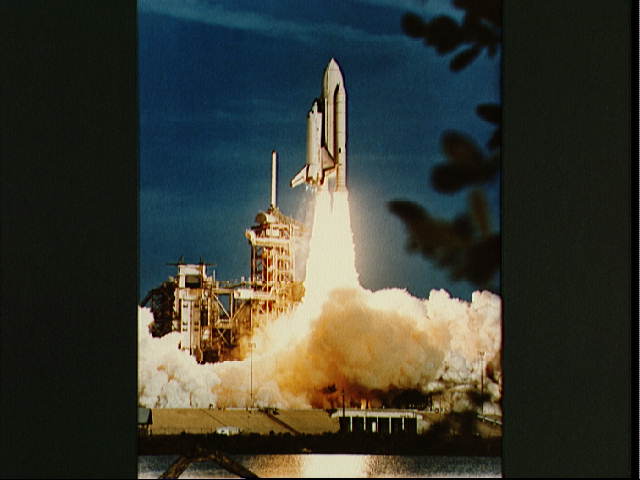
point(465, 246)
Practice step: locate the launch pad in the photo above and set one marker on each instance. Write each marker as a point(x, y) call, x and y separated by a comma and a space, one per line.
point(213, 317)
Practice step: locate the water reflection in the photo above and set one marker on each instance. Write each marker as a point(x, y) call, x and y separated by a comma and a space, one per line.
point(335, 466)
point(277, 466)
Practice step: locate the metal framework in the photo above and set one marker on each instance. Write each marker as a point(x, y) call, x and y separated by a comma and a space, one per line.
point(274, 289)
point(211, 316)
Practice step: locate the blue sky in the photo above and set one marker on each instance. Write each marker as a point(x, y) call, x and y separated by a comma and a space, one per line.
point(221, 84)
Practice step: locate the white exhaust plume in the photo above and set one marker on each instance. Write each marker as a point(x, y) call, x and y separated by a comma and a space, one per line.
point(341, 340)
point(168, 377)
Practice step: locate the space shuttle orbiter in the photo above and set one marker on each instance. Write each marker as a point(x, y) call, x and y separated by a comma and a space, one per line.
point(327, 134)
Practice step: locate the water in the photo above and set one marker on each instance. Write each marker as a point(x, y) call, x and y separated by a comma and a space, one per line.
point(334, 466)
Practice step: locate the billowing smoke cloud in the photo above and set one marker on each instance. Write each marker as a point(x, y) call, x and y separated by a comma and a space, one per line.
point(367, 343)
point(341, 341)
point(364, 341)
point(168, 377)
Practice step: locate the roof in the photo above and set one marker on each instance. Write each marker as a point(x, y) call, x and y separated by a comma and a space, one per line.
point(201, 420)
point(377, 412)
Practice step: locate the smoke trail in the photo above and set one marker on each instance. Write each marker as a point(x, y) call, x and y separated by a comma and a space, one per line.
point(331, 262)
point(341, 338)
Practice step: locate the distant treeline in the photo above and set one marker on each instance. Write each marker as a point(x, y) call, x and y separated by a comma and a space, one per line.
point(356, 443)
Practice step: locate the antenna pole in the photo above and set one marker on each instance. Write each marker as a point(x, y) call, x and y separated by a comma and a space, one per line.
point(273, 178)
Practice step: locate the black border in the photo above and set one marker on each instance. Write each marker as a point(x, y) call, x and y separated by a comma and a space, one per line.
point(634, 284)
point(567, 244)
point(69, 239)
point(69, 231)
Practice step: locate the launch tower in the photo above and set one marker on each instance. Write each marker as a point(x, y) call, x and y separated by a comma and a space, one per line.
point(213, 316)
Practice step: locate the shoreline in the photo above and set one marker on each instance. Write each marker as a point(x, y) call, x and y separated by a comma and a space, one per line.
point(328, 443)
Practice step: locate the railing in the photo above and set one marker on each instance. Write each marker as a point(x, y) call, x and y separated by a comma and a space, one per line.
point(490, 420)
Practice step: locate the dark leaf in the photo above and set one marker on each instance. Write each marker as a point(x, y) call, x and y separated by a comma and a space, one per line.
point(490, 112)
point(482, 261)
point(417, 223)
point(461, 4)
point(460, 149)
point(463, 226)
point(432, 237)
point(474, 32)
point(479, 211)
point(466, 164)
point(413, 25)
point(489, 10)
point(464, 58)
point(478, 32)
point(448, 178)
point(443, 33)
point(407, 211)
point(495, 140)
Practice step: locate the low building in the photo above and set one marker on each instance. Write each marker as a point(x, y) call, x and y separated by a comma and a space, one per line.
point(383, 421)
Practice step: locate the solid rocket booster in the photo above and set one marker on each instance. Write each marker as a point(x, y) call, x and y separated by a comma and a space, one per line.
point(327, 134)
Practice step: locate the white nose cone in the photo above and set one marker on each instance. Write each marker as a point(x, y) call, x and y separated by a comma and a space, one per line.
point(332, 78)
point(335, 120)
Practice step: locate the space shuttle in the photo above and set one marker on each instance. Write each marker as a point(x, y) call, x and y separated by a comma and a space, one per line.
point(327, 134)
